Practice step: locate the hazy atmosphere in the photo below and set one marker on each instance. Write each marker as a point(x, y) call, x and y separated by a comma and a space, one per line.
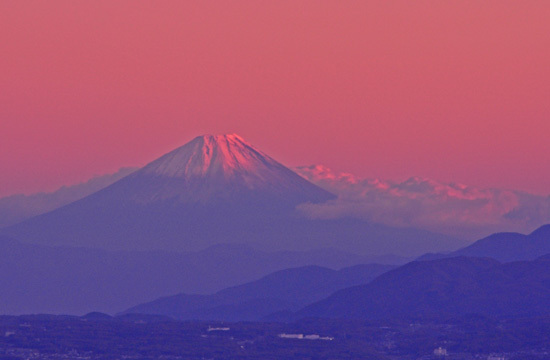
point(311, 180)
point(453, 91)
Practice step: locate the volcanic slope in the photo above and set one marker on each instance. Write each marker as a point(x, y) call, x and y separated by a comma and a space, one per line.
point(215, 189)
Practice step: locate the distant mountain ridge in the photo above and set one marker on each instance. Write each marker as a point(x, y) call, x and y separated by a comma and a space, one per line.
point(17, 208)
point(215, 189)
point(45, 279)
point(505, 246)
point(443, 288)
point(467, 280)
point(285, 290)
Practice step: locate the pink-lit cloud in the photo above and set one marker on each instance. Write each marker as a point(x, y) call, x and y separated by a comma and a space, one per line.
point(451, 208)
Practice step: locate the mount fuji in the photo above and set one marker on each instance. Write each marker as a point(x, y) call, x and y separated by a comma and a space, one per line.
point(215, 189)
point(224, 168)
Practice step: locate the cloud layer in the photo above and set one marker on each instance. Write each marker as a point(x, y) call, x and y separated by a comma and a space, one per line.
point(17, 208)
point(453, 209)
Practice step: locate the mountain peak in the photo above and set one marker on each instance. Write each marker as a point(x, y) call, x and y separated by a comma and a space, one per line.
point(542, 232)
point(216, 167)
point(210, 155)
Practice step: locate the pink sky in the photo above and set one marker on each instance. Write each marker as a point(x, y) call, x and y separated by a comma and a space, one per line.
point(452, 90)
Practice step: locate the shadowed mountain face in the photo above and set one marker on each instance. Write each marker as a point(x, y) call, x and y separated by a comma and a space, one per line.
point(511, 246)
point(505, 246)
point(215, 189)
point(43, 279)
point(445, 287)
point(16, 208)
point(285, 290)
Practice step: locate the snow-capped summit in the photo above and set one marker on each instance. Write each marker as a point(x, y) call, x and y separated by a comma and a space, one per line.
point(211, 155)
point(214, 167)
point(218, 156)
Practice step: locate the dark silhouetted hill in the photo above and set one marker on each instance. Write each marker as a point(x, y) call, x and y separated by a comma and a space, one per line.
point(288, 289)
point(445, 287)
point(45, 279)
point(505, 246)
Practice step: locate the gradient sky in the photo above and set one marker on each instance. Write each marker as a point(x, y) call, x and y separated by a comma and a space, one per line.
point(452, 90)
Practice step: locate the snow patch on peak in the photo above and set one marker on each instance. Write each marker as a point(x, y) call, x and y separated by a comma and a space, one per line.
point(219, 168)
point(211, 156)
point(222, 167)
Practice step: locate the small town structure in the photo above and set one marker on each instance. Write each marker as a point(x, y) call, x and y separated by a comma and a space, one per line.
point(305, 337)
point(210, 328)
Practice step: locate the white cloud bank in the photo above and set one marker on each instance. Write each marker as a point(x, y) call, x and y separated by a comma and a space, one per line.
point(453, 209)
